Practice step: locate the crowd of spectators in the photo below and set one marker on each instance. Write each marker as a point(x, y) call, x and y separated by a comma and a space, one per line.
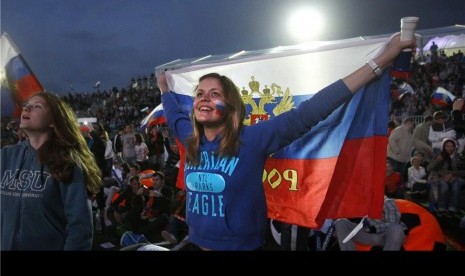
point(118, 108)
point(412, 97)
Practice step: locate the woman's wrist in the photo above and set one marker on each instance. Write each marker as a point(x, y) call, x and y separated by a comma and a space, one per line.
point(377, 71)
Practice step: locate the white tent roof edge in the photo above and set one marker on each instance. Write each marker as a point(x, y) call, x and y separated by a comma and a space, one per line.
point(244, 55)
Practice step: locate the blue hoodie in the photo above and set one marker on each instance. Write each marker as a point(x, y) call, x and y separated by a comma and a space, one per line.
point(226, 206)
point(37, 211)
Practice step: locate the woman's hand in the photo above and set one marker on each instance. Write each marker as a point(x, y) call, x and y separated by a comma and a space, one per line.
point(392, 50)
point(457, 105)
point(365, 74)
point(162, 83)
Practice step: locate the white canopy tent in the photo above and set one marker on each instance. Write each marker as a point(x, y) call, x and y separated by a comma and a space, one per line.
point(448, 43)
point(424, 35)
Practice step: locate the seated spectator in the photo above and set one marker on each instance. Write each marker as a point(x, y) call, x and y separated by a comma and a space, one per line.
point(440, 129)
point(126, 206)
point(301, 240)
point(389, 232)
point(177, 227)
point(134, 170)
point(416, 177)
point(157, 201)
point(420, 155)
point(393, 186)
point(446, 177)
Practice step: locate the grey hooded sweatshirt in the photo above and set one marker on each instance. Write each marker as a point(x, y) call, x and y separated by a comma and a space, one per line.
point(37, 211)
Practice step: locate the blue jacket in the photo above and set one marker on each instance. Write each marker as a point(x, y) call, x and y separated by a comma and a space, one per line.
point(226, 206)
point(37, 211)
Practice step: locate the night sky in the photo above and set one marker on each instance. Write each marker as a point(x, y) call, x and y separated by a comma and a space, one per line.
point(70, 45)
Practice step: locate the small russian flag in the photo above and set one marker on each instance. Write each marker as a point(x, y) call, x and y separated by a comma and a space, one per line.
point(442, 98)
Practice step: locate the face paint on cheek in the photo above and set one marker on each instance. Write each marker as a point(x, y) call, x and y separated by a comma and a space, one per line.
point(219, 107)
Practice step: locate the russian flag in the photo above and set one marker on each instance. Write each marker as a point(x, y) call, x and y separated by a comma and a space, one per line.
point(442, 98)
point(18, 82)
point(335, 170)
point(157, 115)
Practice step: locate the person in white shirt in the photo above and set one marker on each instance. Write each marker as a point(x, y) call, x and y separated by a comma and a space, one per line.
point(416, 175)
point(142, 151)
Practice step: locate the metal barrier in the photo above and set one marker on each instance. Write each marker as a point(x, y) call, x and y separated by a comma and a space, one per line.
point(417, 119)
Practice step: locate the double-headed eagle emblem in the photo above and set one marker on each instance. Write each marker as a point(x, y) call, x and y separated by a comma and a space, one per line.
point(267, 96)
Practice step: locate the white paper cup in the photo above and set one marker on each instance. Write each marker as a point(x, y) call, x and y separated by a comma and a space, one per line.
point(407, 27)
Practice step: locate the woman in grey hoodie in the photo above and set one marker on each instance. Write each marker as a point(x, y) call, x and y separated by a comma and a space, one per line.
point(47, 180)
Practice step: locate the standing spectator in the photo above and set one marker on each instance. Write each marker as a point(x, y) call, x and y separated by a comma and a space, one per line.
point(401, 143)
point(129, 141)
point(118, 144)
point(172, 163)
point(155, 143)
point(421, 132)
point(97, 146)
point(459, 123)
point(142, 152)
point(434, 51)
point(109, 154)
point(47, 181)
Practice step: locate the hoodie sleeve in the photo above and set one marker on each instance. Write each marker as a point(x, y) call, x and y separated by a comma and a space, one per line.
point(78, 212)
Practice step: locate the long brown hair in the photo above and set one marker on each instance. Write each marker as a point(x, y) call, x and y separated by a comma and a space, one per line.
point(67, 147)
point(234, 121)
